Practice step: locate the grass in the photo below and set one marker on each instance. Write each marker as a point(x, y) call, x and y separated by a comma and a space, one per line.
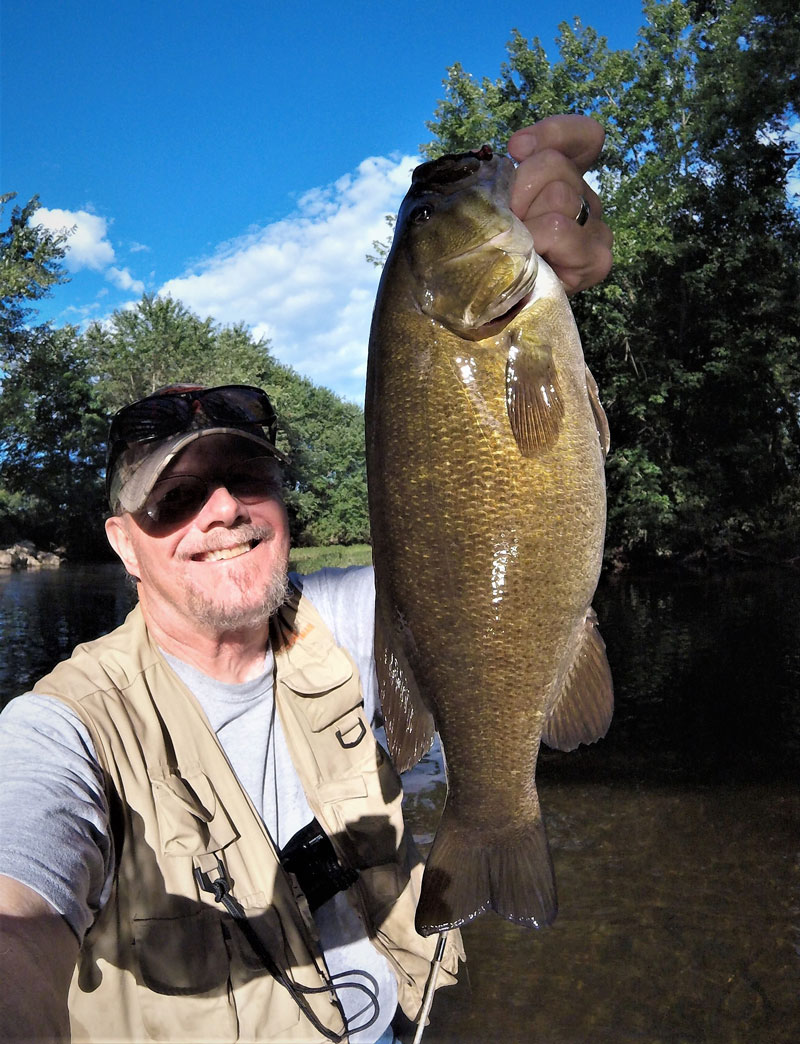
point(309, 559)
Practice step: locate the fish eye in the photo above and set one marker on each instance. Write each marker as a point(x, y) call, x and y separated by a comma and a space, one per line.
point(421, 213)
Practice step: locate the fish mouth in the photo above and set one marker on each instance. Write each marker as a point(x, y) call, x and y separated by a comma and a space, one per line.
point(507, 306)
point(494, 326)
point(222, 554)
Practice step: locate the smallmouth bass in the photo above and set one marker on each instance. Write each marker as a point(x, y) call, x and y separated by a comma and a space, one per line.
point(486, 445)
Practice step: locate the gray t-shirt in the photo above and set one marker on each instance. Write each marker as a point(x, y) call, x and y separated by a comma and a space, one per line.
point(54, 834)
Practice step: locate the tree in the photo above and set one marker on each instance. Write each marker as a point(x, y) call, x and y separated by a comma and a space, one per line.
point(30, 264)
point(327, 479)
point(160, 342)
point(693, 337)
point(50, 465)
point(51, 445)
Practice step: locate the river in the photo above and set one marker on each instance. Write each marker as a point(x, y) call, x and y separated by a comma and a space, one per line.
point(676, 840)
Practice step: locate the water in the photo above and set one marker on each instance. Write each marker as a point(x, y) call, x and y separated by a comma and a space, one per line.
point(676, 840)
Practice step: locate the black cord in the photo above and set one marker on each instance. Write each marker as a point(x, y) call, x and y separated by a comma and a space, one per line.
point(220, 889)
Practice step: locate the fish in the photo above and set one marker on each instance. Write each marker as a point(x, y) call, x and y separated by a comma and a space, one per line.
point(486, 445)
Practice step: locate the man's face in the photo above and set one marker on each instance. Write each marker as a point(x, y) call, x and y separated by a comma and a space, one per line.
point(223, 569)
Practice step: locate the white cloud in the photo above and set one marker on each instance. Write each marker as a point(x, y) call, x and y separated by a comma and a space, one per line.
point(87, 245)
point(304, 281)
point(122, 278)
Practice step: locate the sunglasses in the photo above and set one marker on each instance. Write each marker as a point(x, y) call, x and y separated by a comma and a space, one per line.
point(178, 498)
point(172, 411)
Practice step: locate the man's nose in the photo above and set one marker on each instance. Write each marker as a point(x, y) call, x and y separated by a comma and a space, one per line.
point(221, 506)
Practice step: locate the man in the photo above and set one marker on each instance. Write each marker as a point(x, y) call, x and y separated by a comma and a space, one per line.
point(199, 837)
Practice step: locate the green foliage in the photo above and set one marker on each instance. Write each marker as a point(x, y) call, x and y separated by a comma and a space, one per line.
point(59, 389)
point(160, 342)
point(693, 338)
point(51, 432)
point(50, 486)
point(324, 438)
point(30, 264)
point(310, 559)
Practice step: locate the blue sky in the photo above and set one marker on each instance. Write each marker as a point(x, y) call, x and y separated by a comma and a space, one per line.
point(237, 155)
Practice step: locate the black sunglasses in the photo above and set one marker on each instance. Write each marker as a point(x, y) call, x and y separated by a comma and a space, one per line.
point(177, 498)
point(167, 413)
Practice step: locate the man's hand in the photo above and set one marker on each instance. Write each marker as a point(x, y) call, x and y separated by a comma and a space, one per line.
point(553, 155)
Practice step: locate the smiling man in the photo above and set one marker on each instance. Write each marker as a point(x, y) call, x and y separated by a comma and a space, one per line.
point(200, 837)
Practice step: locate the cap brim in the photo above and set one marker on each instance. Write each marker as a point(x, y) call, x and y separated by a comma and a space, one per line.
point(138, 486)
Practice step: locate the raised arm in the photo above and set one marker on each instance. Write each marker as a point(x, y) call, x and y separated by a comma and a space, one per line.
point(38, 951)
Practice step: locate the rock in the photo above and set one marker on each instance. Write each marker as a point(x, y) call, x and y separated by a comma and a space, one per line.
point(48, 559)
point(23, 555)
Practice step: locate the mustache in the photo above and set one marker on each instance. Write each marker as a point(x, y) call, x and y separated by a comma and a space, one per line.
point(219, 539)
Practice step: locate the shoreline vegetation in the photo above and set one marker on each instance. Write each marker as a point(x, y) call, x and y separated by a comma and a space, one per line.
point(23, 554)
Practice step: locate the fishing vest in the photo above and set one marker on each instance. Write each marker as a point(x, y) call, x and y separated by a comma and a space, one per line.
point(164, 959)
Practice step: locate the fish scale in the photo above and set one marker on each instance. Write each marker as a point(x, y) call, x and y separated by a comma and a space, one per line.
point(485, 458)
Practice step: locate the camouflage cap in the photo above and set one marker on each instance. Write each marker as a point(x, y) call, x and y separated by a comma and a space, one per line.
point(134, 466)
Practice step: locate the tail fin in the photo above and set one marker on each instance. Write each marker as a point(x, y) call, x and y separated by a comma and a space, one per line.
point(511, 873)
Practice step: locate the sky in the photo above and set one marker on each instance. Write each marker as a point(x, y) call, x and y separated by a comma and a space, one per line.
point(241, 156)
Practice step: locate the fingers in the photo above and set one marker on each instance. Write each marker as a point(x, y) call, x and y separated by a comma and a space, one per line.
point(580, 255)
point(580, 138)
point(548, 188)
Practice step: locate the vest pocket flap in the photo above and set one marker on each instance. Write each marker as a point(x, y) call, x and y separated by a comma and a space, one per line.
point(191, 818)
point(342, 790)
point(182, 955)
point(311, 676)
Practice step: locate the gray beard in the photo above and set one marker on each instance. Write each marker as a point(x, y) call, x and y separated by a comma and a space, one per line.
point(237, 617)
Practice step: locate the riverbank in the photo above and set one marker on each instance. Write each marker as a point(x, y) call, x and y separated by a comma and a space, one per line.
point(25, 555)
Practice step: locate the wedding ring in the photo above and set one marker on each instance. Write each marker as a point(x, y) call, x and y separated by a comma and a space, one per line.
point(583, 214)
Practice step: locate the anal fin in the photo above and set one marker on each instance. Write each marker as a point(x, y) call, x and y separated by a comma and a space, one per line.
point(584, 707)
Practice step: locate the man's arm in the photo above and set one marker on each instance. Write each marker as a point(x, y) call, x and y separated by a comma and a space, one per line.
point(38, 951)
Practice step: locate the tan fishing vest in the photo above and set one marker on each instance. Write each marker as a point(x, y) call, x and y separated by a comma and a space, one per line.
point(164, 961)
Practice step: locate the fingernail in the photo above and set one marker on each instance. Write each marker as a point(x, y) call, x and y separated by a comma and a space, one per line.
point(525, 141)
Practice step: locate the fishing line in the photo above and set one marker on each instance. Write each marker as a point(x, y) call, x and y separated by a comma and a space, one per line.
point(431, 986)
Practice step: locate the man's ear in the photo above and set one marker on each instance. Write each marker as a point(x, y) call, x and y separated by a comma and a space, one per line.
point(120, 540)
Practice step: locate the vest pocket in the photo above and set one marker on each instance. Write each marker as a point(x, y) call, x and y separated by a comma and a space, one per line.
point(185, 974)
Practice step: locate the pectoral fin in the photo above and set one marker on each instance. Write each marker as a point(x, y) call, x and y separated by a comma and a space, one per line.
point(409, 724)
point(583, 710)
point(533, 397)
point(600, 418)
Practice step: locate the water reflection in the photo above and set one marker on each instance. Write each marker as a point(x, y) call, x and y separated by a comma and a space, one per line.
point(675, 840)
point(46, 613)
